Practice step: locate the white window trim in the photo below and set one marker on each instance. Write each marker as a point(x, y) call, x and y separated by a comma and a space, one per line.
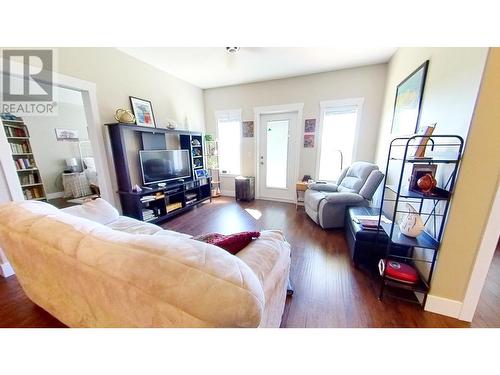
point(326, 105)
point(228, 114)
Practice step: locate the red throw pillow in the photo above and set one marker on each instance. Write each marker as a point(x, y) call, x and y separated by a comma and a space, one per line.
point(232, 242)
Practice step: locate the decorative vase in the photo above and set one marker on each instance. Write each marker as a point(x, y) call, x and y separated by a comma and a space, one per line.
point(124, 116)
point(411, 224)
point(426, 183)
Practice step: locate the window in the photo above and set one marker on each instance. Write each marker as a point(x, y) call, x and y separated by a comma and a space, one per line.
point(229, 135)
point(337, 136)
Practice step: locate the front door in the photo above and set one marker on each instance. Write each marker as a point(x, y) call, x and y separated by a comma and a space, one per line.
point(277, 150)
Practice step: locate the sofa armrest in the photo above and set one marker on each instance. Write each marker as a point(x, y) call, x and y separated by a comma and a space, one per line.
point(344, 198)
point(267, 257)
point(323, 187)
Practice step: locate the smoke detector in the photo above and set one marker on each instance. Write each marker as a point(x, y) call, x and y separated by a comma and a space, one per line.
point(232, 49)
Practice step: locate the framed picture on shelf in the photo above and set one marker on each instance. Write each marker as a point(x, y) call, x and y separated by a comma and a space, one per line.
point(408, 102)
point(143, 112)
point(420, 170)
point(201, 173)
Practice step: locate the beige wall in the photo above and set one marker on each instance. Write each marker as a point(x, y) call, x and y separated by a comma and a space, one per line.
point(477, 184)
point(452, 84)
point(118, 76)
point(367, 82)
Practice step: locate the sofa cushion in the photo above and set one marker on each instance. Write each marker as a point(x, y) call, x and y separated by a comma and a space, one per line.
point(356, 177)
point(97, 210)
point(133, 226)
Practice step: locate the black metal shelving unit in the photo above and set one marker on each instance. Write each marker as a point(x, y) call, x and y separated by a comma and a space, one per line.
point(433, 208)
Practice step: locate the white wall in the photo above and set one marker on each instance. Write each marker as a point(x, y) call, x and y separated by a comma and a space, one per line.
point(367, 82)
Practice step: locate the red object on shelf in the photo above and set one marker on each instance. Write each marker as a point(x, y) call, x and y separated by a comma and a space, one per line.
point(398, 271)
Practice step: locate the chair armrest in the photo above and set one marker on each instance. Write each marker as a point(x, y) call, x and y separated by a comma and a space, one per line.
point(323, 187)
point(344, 198)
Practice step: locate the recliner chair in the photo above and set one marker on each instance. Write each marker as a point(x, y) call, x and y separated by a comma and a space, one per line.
point(325, 203)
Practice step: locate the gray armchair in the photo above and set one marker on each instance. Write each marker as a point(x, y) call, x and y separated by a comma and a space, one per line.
point(325, 203)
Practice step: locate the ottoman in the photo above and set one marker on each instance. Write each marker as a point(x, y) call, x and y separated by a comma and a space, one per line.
point(361, 242)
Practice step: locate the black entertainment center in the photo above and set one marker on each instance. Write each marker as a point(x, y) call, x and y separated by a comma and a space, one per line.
point(164, 163)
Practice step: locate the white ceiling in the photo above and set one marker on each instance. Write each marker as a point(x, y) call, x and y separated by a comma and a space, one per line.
point(214, 67)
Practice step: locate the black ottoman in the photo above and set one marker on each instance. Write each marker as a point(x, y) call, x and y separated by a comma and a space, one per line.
point(362, 242)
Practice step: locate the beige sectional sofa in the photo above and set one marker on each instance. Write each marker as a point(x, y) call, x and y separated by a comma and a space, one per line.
point(90, 267)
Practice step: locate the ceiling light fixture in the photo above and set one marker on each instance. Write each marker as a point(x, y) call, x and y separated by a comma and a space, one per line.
point(232, 49)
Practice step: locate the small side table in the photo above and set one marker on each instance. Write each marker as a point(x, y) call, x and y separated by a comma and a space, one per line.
point(300, 187)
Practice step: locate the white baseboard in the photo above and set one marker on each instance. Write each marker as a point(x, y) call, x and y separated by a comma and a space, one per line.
point(228, 193)
point(6, 269)
point(443, 306)
point(58, 194)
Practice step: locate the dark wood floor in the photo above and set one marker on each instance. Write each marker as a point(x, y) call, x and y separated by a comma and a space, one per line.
point(329, 291)
point(488, 309)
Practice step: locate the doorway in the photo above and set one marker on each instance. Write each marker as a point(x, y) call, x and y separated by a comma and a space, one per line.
point(278, 148)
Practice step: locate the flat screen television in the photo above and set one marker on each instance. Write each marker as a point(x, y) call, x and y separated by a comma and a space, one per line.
point(164, 165)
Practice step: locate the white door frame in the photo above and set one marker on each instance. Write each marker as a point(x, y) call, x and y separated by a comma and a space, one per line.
point(96, 136)
point(323, 106)
point(274, 109)
point(484, 257)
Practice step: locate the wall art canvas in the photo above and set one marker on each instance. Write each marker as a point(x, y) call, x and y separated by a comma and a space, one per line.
point(247, 129)
point(308, 140)
point(143, 112)
point(310, 125)
point(408, 102)
point(66, 134)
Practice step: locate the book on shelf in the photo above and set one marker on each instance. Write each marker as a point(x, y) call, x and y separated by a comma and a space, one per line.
point(174, 206)
point(14, 132)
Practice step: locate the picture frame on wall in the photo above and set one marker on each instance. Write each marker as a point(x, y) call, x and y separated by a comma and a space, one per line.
point(408, 101)
point(310, 125)
point(143, 112)
point(66, 134)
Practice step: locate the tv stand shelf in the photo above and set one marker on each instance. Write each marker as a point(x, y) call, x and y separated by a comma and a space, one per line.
point(158, 203)
point(157, 200)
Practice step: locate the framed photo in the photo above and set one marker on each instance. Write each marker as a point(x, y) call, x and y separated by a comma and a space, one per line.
point(408, 101)
point(247, 129)
point(418, 171)
point(143, 112)
point(308, 140)
point(200, 173)
point(310, 125)
point(67, 135)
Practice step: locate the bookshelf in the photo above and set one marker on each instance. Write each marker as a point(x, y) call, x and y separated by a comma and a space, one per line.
point(432, 206)
point(18, 138)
